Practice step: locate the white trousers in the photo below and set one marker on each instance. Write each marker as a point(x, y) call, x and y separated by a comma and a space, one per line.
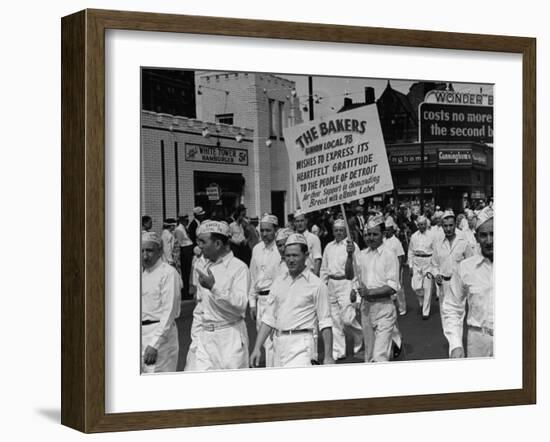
point(261, 305)
point(378, 320)
point(344, 319)
point(190, 361)
point(401, 301)
point(444, 291)
point(421, 284)
point(295, 350)
point(168, 349)
point(222, 349)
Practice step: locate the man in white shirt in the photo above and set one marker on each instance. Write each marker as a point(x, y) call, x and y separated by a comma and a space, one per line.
point(186, 251)
point(473, 284)
point(392, 243)
point(436, 228)
point(297, 302)
point(378, 282)
point(222, 339)
point(280, 241)
point(198, 217)
point(448, 253)
point(169, 253)
point(264, 267)
point(333, 274)
point(160, 306)
point(469, 230)
point(237, 239)
point(314, 256)
point(199, 261)
point(419, 259)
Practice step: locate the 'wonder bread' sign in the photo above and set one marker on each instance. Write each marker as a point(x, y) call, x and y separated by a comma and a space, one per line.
point(339, 158)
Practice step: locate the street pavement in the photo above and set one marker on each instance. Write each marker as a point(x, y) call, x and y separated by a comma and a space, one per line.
point(422, 339)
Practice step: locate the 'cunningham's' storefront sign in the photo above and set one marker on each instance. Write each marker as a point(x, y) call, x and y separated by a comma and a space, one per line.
point(454, 157)
point(215, 154)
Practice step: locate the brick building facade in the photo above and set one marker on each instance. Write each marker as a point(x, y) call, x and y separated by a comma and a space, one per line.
point(264, 103)
point(244, 154)
point(178, 164)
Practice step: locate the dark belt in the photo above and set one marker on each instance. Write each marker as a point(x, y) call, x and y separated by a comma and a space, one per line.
point(446, 278)
point(483, 330)
point(263, 293)
point(337, 278)
point(374, 301)
point(149, 322)
point(292, 332)
point(422, 255)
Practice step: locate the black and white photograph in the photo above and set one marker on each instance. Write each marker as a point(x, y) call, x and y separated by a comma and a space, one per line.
point(303, 220)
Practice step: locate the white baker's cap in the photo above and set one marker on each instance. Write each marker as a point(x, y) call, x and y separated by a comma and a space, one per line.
point(448, 213)
point(283, 234)
point(272, 219)
point(339, 223)
point(219, 227)
point(484, 215)
point(296, 238)
point(374, 221)
point(150, 237)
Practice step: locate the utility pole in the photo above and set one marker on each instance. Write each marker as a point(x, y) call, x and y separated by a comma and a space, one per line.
point(310, 104)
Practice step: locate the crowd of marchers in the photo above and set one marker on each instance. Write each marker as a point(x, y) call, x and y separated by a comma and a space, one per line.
point(320, 280)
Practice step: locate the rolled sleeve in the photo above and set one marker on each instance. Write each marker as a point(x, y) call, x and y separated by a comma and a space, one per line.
point(235, 298)
point(268, 317)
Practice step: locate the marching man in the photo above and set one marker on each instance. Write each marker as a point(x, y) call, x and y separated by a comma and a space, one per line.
point(334, 276)
point(222, 339)
point(264, 267)
point(170, 252)
point(160, 306)
point(280, 241)
point(314, 256)
point(297, 301)
point(419, 258)
point(473, 284)
point(378, 281)
point(394, 244)
point(448, 253)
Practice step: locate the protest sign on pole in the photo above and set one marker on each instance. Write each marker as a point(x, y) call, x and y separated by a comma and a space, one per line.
point(338, 158)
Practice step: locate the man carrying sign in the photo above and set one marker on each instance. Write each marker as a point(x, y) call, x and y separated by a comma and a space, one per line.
point(378, 281)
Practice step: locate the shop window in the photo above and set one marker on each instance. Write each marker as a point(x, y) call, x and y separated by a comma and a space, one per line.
point(225, 119)
point(272, 118)
point(280, 119)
